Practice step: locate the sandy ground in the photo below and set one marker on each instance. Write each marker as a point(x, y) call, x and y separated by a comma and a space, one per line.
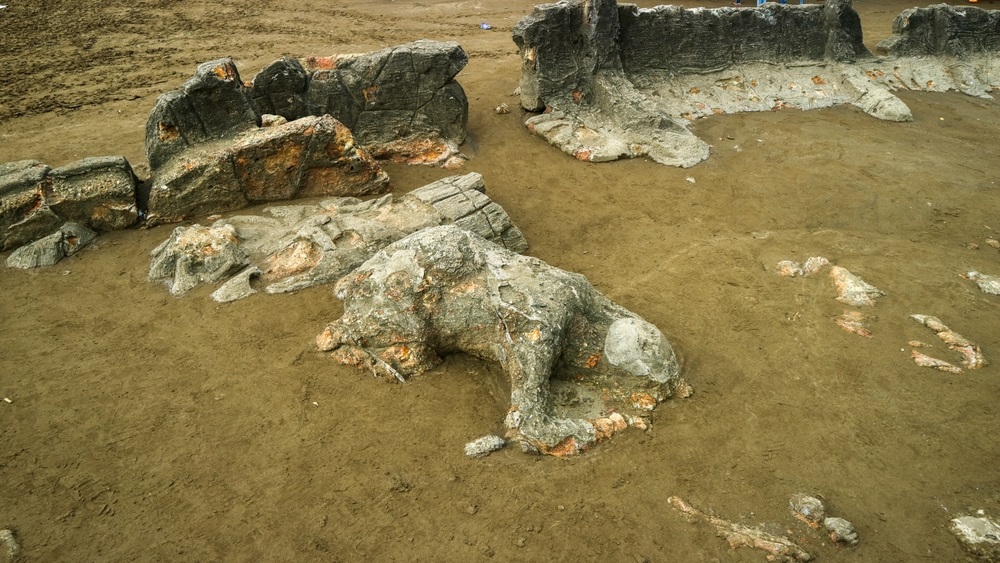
point(144, 427)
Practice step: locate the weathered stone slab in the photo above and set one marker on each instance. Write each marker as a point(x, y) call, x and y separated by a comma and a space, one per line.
point(97, 191)
point(618, 81)
point(35, 200)
point(307, 157)
point(979, 535)
point(572, 355)
point(46, 251)
point(298, 246)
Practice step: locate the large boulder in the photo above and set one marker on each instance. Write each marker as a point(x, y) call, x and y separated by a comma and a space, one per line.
point(401, 103)
point(572, 356)
point(99, 193)
point(299, 246)
point(943, 30)
point(312, 156)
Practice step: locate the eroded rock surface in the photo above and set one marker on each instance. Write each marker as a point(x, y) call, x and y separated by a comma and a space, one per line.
point(46, 251)
point(618, 81)
point(98, 193)
point(572, 355)
point(401, 103)
point(299, 246)
point(312, 156)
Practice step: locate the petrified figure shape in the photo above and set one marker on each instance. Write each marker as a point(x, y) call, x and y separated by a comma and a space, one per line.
point(68, 240)
point(311, 156)
point(973, 357)
point(35, 200)
point(780, 548)
point(295, 247)
point(853, 290)
point(571, 354)
point(619, 81)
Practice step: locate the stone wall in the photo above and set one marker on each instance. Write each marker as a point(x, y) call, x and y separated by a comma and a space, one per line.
point(955, 31)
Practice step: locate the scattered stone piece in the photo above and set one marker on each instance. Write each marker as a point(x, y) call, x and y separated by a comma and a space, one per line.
point(979, 535)
point(841, 531)
point(571, 354)
point(854, 322)
point(780, 548)
point(482, 447)
point(68, 240)
point(238, 286)
point(970, 351)
point(807, 508)
point(196, 254)
point(993, 242)
point(13, 549)
point(987, 283)
point(853, 290)
point(923, 360)
point(811, 266)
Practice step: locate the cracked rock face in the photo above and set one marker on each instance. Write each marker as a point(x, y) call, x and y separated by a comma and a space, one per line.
point(312, 156)
point(98, 193)
point(298, 246)
point(581, 368)
point(618, 81)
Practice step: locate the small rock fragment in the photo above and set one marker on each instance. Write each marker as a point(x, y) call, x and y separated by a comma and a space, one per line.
point(854, 322)
point(238, 286)
point(854, 290)
point(978, 535)
point(812, 265)
point(987, 283)
point(482, 447)
point(808, 509)
point(923, 360)
point(68, 240)
point(13, 549)
point(973, 355)
point(841, 531)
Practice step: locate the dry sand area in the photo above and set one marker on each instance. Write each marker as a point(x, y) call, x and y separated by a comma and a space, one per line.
point(143, 427)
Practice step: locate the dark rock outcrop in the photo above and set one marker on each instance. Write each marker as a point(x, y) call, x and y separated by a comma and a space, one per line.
point(943, 30)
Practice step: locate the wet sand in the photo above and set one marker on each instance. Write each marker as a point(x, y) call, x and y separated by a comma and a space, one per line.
point(147, 427)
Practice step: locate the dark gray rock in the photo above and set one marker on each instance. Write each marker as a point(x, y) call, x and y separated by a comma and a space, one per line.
point(954, 31)
point(46, 251)
point(99, 192)
point(619, 81)
point(213, 104)
point(312, 156)
point(401, 103)
point(571, 354)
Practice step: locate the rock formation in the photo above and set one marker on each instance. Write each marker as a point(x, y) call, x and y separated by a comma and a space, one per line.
point(98, 193)
point(618, 81)
point(581, 368)
point(299, 246)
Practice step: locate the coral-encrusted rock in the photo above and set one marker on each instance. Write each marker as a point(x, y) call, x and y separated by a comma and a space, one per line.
point(196, 254)
point(295, 247)
point(571, 354)
point(312, 156)
point(98, 192)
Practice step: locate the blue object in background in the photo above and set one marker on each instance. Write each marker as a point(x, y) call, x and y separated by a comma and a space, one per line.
point(485, 25)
